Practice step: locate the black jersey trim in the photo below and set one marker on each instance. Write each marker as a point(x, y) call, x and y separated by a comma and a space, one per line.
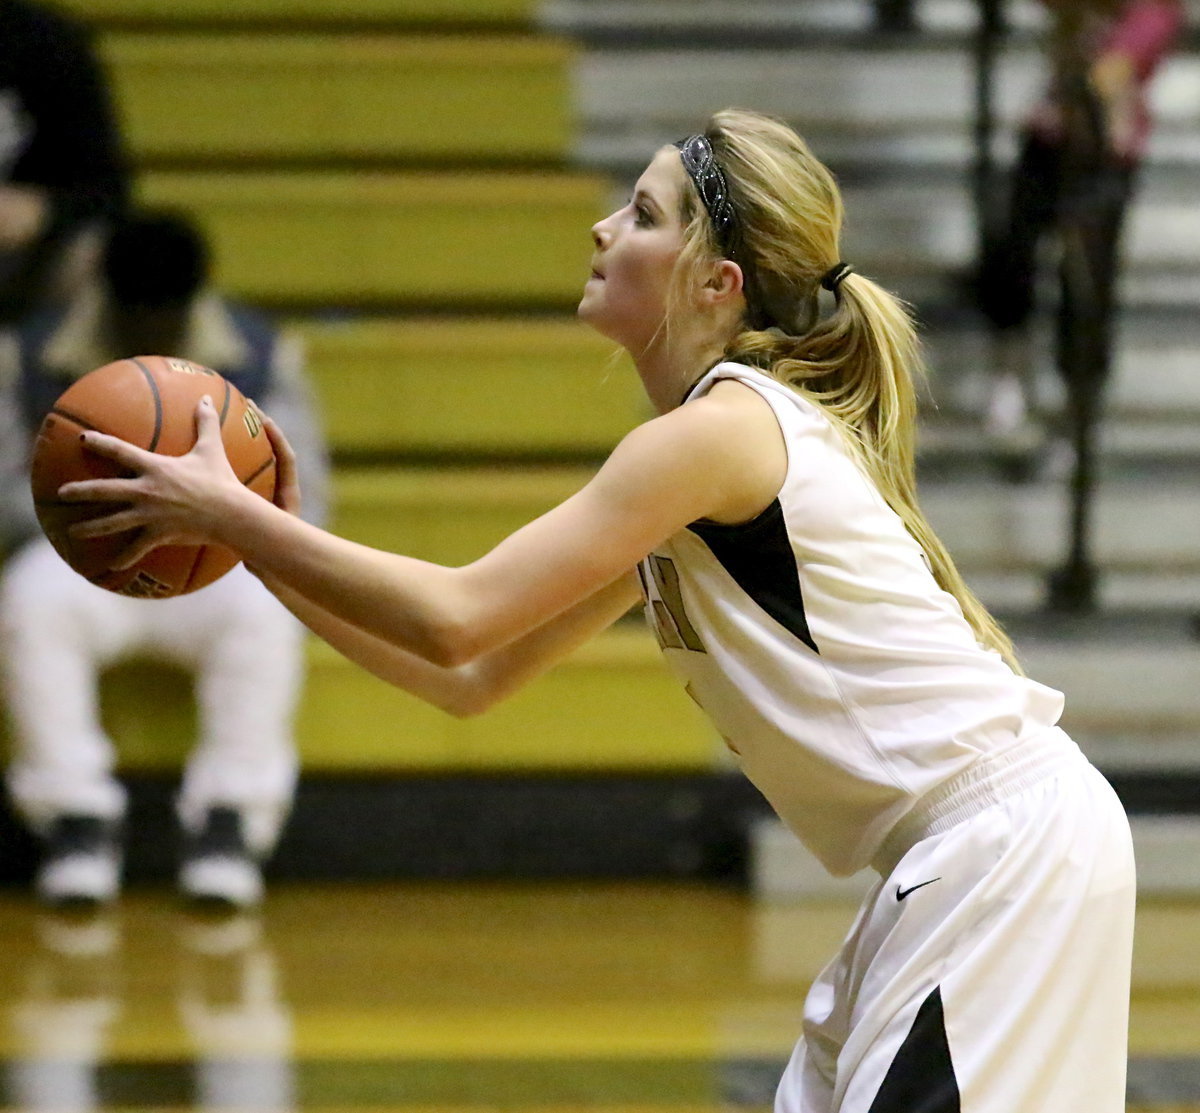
point(759, 557)
point(921, 1075)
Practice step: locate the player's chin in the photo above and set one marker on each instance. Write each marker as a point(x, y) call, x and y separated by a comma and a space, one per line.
point(591, 311)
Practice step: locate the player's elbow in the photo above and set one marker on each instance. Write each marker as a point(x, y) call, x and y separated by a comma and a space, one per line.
point(474, 692)
point(469, 705)
point(453, 633)
point(446, 652)
point(450, 643)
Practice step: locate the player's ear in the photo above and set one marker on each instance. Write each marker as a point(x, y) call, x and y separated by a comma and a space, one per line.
point(724, 283)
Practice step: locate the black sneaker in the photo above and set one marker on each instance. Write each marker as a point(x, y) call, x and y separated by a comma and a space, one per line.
point(218, 868)
point(81, 865)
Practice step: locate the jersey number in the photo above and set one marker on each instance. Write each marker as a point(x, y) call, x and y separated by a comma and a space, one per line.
point(671, 623)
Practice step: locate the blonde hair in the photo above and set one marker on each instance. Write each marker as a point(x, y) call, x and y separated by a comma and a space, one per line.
point(859, 362)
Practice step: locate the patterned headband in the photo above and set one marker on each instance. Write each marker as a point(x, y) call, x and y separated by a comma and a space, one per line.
point(709, 179)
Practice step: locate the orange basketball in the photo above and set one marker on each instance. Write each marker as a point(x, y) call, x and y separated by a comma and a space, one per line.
point(151, 402)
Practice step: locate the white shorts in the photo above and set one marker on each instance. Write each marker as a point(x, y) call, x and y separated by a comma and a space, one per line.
point(988, 970)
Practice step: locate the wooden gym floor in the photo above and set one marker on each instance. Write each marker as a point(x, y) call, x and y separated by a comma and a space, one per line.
point(461, 998)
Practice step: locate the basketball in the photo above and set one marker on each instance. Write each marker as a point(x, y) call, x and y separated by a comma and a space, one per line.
point(151, 402)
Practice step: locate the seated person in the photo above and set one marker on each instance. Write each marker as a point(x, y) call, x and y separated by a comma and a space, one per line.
point(59, 631)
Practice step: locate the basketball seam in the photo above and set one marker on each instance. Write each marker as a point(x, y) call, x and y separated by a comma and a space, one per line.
point(58, 411)
point(200, 551)
point(225, 402)
point(158, 407)
point(255, 474)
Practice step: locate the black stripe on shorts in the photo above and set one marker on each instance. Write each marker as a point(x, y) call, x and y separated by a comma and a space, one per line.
point(921, 1077)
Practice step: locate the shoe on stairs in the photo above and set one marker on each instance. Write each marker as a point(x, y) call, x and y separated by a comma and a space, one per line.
point(218, 867)
point(81, 863)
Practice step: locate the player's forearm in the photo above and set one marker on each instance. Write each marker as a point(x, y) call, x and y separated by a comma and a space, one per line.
point(410, 604)
point(472, 688)
point(457, 691)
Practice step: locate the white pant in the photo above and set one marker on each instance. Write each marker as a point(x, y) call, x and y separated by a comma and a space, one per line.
point(246, 650)
point(988, 971)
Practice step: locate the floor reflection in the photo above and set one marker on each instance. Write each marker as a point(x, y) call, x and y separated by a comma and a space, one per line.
point(572, 997)
point(235, 1029)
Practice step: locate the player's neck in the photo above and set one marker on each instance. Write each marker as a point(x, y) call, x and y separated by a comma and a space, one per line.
point(670, 369)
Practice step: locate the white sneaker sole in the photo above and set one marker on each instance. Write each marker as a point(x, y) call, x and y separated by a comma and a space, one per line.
point(222, 880)
point(80, 879)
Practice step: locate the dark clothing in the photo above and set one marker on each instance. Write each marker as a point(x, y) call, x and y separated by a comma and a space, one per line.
point(40, 383)
point(1046, 198)
point(58, 132)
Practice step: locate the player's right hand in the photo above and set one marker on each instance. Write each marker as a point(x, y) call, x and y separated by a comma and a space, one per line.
point(287, 479)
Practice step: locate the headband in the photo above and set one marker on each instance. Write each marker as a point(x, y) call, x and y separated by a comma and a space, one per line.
point(696, 153)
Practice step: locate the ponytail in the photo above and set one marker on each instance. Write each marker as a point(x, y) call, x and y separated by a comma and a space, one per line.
point(858, 362)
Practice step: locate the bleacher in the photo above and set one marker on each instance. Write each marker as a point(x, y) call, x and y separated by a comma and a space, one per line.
point(393, 179)
point(894, 115)
point(410, 184)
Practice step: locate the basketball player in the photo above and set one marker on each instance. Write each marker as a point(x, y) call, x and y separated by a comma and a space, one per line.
point(767, 518)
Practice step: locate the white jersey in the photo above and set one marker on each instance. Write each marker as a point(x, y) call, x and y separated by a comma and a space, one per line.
point(816, 639)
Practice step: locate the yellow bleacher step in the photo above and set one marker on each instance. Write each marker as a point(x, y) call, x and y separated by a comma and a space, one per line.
point(284, 12)
point(231, 97)
point(448, 515)
point(512, 239)
point(611, 706)
point(444, 385)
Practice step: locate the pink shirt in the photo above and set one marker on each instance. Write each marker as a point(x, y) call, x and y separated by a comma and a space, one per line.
point(1145, 32)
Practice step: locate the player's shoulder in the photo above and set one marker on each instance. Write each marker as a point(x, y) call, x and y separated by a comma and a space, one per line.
point(725, 420)
point(726, 445)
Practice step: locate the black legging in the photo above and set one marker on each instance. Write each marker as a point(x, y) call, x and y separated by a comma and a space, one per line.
point(1083, 205)
point(1086, 214)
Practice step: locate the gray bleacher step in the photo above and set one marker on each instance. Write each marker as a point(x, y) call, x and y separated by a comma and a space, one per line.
point(1158, 445)
point(1156, 366)
point(1016, 590)
point(1128, 676)
point(777, 17)
point(634, 21)
point(903, 228)
point(1167, 850)
point(1006, 539)
point(843, 97)
point(1139, 525)
point(913, 234)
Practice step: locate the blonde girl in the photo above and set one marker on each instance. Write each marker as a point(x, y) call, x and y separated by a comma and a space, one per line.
point(767, 519)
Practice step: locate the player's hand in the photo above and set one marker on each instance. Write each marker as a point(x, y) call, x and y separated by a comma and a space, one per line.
point(287, 476)
point(168, 499)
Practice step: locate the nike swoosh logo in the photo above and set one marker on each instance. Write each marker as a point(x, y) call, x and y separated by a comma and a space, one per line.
point(902, 893)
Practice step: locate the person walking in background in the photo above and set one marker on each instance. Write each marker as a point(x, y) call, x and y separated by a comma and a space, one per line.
point(892, 16)
point(63, 168)
point(1080, 150)
point(153, 298)
point(768, 521)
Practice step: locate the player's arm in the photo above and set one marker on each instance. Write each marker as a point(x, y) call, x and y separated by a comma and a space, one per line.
point(469, 689)
point(721, 457)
